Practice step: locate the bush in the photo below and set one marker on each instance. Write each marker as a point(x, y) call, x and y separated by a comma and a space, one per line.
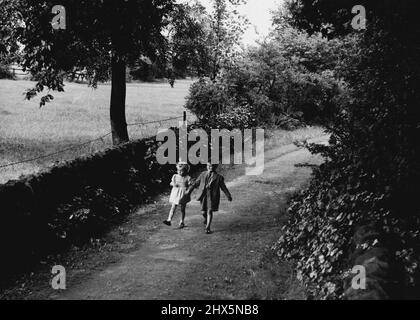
point(208, 99)
point(71, 203)
point(241, 117)
point(323, 219)
point(290, 79)
point(146, 71)
point(5, 72)
point(214, 103)
point(292, 75)
point(371, 175)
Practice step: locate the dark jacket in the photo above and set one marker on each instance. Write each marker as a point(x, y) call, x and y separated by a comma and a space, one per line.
point(216, 184)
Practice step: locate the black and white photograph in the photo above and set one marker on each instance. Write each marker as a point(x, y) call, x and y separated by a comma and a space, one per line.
point(213, 157)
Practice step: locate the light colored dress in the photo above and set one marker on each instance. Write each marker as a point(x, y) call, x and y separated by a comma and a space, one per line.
point(178, 192)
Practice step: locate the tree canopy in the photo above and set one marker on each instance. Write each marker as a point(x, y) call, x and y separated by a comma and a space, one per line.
point(100, 38)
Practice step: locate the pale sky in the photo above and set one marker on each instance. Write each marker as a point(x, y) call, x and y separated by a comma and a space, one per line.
point(258, 13)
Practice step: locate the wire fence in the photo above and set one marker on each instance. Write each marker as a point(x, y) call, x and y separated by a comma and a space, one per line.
point(140, 130)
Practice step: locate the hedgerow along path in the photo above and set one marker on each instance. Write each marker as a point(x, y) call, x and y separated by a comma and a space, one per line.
point(152, 261)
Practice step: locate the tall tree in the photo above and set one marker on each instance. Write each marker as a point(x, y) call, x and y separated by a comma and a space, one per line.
point(226, 28)
point(99, 37)
point(189, 54)
point(203, 43)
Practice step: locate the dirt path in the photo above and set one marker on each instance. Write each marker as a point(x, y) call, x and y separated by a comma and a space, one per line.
point(233, 263)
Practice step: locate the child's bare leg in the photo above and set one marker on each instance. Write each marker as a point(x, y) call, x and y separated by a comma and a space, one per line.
point(172, 212)
point(209, 219)
point(183, 209)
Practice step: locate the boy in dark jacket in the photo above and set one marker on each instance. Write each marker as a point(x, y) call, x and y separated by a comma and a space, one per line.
point(210, 183)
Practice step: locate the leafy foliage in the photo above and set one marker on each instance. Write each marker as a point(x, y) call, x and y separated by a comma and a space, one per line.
point(289, 79)
point(9, 21)
point(240, 117)
point(224, 28)
point(371, 174)
point(147, 70)
point(9, 49)
point(189, 51)
point(332, 18)
point(199, 43)
point(5, 72)
point(208, 98)
point(96, 30)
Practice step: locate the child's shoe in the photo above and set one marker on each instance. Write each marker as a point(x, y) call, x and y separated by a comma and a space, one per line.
point(181, 226)
point(168, 223)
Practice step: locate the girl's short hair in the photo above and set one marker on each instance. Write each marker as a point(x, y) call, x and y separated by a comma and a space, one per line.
point(183, 165)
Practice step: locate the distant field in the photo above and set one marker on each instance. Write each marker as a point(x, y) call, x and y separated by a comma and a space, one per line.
point(76, 116)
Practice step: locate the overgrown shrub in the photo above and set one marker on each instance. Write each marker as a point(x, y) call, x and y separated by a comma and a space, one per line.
point(87, 216)
point(241, 117)
point(208, 99)
point(324, 217)
point(76, 202)
point(290, 79)
point(71, 203)
point(285, 76)
point(371, 175)
point(5, 72)
point(146, 71)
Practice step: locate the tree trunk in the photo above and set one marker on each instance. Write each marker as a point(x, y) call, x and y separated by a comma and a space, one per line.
point(117, 108)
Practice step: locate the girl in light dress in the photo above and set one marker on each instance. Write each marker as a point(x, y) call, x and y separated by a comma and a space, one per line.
point(179, 196)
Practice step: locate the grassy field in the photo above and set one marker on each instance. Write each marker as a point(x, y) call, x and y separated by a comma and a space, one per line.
point(76, 116)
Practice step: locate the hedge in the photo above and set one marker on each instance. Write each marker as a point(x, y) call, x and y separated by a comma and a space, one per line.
point(71, 203)
point(384, 277)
